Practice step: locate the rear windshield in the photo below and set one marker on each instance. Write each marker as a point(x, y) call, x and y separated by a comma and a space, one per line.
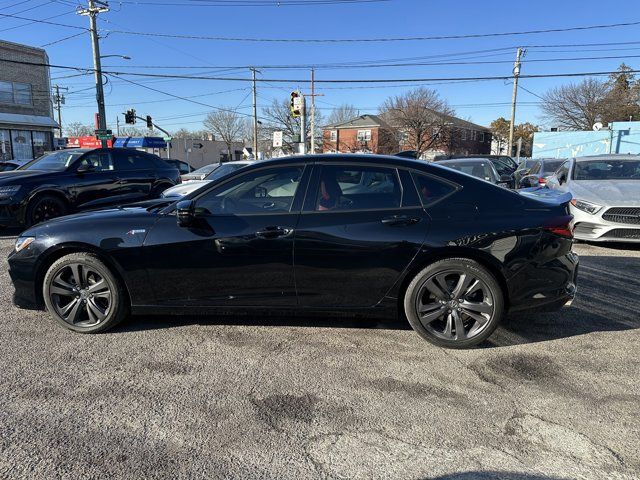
point(607, 170)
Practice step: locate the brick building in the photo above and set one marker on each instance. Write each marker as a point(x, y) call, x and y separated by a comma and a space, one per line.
point(26, 111)
point(363, 134)
point(372, 134)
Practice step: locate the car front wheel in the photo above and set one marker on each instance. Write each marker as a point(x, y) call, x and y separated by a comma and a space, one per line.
point(83, 295)
point(454, 303)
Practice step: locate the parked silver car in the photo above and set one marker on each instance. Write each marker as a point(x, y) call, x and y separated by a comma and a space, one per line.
point(606, 196)
point(192, 185)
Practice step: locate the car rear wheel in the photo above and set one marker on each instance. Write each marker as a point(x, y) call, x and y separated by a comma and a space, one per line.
point(43, 208)
point(83, 295)
point(454, 303)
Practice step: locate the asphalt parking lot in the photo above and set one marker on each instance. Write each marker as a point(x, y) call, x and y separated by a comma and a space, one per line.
point(551, 396)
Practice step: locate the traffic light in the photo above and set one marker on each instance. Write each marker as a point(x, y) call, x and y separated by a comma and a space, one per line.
point(296, 105)
point(130, 116)
point(149, 122)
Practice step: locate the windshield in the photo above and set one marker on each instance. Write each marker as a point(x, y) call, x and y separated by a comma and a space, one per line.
point(205, 169)
point(224, 169)
point(607, 170)
point(55, 162)
point(476, 169)
point(552, 166)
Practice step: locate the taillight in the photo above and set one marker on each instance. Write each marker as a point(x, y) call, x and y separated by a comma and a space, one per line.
point(542, 180)
point(563, 226)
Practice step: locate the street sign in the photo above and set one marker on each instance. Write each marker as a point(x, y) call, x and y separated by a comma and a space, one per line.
point(104, 137)
point(197, 145)
point(103, 132)
point(277, 139)
point(168, 139)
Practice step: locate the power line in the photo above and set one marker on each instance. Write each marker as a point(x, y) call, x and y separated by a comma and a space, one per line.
point(120, 75)
point(43, 20)
point(365, 40)
point(250, 3)
point(62, 39)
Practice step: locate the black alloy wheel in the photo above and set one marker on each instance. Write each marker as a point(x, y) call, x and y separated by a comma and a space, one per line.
point(83, 295)
point(454, 303)
point(45, 208)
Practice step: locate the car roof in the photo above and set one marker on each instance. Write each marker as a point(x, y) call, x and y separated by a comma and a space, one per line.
point(613, 156)
point(465, 160)
point(346, 157)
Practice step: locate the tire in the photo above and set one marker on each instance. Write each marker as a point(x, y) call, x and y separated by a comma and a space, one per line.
point(100, 302)
point(454, 293)
point(43, 208)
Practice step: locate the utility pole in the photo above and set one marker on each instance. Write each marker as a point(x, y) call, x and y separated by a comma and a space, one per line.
point(255, 117)
point(312, 122)
point(313, 112)
point(303, 126)
point(117, 126)
point(59, 101)
point(516, 75)
point(92, 12)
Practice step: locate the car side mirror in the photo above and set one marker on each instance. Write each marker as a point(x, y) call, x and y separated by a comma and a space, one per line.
point(562, 179)
point(185, 213)
point(505, 178)
point(86, 168)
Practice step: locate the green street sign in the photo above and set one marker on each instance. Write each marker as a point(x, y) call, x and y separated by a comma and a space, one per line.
point(168, 139)
point(104, 136)
point(104, 132)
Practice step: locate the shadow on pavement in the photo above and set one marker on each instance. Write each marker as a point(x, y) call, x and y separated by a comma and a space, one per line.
point(607, 300)
point(480, 475)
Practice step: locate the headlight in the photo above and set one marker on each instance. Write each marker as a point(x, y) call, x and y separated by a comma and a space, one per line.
point(9, 190)
point(588, 207)
point(24, 242)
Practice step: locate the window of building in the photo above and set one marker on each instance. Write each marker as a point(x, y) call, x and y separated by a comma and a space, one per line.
point(6, 92)
point(364, 135)
point(21, 145)
point(463, 134)
point(333, 135)
point(22, 93)
point(357, 188)
point(5, 145)
point(13, 92)
point(482, 136)
point(40, 143)
point(473, 134)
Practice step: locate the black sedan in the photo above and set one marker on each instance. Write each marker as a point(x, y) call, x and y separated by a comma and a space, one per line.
point(69, 180)
point(356, 233)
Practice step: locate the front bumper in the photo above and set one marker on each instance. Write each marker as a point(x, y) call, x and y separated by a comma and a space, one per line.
point(596, 228)
point(22, 270)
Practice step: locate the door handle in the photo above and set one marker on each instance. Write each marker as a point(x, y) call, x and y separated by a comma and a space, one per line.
point(273, 232)
point(400, 220)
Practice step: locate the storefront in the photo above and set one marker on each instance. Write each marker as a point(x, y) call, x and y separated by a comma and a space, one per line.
point(25, 137)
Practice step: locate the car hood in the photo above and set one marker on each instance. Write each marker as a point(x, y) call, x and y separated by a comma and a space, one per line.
point(14, 176)
point(184, 189)
point(619, 193)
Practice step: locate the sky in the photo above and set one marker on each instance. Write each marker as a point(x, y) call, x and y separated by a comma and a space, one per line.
point(477, 101)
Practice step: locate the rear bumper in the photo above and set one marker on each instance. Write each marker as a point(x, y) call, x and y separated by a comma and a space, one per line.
point(558, 288)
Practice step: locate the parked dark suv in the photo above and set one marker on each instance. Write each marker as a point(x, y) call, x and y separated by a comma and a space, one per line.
point(69, 180)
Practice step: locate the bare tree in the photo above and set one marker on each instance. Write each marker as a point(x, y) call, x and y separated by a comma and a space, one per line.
point(343, 113)
point(226, 125)
point(278, 118)
point(420, 118)
point(77, 129)
point(133, 132)
point(576, 106)
point(621, 104)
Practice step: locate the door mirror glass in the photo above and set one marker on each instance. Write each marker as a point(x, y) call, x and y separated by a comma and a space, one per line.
point(185, 213)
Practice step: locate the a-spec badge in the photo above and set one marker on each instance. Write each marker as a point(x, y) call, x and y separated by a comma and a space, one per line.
point(136, 231)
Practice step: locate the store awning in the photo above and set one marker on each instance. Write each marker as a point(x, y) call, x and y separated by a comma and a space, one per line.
point(18, 119)
point(140, 142)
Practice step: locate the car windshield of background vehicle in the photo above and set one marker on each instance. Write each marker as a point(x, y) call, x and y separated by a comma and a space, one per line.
point(205, 169)
point(481, 170)
point(607, 170)
point(54, 162)
point(223, 170)
point(551, 167)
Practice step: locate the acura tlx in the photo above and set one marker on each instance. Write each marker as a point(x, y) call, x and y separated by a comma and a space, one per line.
point(452, 254)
